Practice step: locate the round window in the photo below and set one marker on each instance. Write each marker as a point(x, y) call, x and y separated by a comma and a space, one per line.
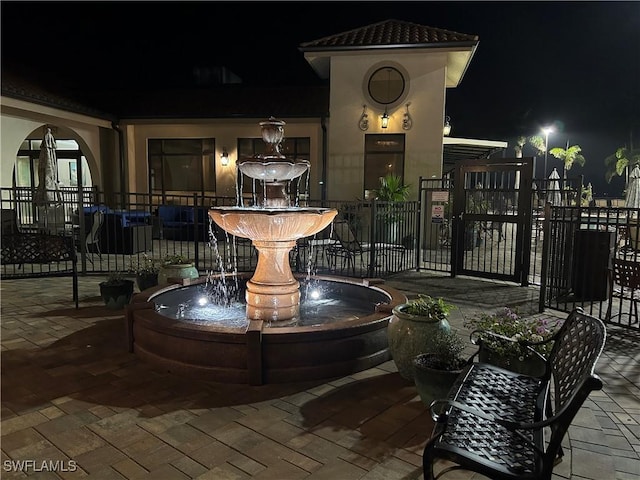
point(386, 85)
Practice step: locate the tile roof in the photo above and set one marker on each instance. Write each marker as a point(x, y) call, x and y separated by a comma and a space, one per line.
point(390, 33)
point(20, 88)
point(235, 101)
point(220, 101)
point(224, 101)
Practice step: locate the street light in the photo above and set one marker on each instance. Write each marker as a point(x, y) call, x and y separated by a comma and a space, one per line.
point(546, 131)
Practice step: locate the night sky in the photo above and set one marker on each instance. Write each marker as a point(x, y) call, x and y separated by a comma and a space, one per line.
point(575, 65)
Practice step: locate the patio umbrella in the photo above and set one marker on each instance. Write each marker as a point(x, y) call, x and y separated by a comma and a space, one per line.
point(553, 189)
point(47, 192)
point(632, 199)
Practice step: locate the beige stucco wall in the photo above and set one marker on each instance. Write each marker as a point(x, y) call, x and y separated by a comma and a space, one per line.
point(21, 120)
point(345, 148)
point(226, 134)
point(423, 156)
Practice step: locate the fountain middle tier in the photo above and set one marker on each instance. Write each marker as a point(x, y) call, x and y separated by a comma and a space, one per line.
point(273, 293)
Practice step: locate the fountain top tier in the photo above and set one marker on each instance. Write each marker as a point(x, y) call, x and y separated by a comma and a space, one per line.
point(272, 167)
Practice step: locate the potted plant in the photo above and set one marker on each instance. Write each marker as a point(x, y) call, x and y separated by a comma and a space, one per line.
point(391, 190)
point(176, 266)
point(146, 270)
point(510, 341)
point(435, 372)
point(116, 290)
point(413, 327)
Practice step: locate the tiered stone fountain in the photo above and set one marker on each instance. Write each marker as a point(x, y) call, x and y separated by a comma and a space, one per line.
point(275, 340)
point(273, 294)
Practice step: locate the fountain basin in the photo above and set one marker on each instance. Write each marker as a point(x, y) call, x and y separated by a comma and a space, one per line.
point(272, 224)
point(256, 353)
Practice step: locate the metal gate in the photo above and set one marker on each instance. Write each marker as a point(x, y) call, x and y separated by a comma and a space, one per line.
point(478, 223)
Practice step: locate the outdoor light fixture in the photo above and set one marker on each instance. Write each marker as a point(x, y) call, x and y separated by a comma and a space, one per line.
point(385, 118)
point(447, 126)
point(407, 121)
point(363, 123)
point(224, 157)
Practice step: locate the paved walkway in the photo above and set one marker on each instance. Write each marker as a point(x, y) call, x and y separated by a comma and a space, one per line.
point(75, 402)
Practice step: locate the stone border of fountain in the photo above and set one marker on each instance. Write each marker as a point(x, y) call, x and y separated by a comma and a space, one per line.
point(257, 355)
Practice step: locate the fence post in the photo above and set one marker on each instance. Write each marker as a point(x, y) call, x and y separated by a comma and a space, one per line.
point(372, 239)
point(546, 234)
point(196, 232)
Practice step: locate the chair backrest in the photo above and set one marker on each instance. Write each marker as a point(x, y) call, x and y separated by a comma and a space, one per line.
point(576, 349)
point(626, 273)
point(345, 236)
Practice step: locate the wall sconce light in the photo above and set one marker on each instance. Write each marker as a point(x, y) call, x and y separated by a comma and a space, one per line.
point(385, 118)
point(447, 126)
point(363, 123)
point(224, 157)
point(407, 121)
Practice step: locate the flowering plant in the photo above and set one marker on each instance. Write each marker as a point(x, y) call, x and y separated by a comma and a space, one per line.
point(145, 265)
point(176, 259)
point(518, 332)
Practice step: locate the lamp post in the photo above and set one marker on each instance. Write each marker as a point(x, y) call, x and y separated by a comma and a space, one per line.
point(546, 131)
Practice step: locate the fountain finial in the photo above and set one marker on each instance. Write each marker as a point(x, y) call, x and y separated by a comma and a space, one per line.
point(272, 135)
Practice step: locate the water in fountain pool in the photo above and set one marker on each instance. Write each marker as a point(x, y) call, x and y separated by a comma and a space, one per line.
point(322, 302)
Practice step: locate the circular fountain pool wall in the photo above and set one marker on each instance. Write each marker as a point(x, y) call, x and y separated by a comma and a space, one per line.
point(334, 337)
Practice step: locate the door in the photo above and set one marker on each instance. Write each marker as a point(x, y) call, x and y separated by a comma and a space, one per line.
point(492, 219)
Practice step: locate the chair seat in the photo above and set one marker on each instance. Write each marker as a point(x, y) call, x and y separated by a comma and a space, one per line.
point(501, 393)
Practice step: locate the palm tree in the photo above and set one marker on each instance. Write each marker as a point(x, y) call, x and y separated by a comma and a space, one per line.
point(619, 162)
point(569, 156)
point(538, 143)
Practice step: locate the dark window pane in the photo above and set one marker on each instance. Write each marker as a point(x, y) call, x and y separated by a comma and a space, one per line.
point(182, 164)
point(384, 154)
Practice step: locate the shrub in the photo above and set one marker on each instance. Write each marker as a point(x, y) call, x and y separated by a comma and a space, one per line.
point(508, 323)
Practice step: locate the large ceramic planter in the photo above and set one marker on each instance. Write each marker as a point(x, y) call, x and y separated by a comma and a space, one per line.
point(432, 383)
point(116, 296)
point(410, 335)
point(531, 365)
point(185, 270)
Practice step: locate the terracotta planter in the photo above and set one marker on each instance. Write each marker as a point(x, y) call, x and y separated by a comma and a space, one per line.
point(185, 270)
point(410, 335)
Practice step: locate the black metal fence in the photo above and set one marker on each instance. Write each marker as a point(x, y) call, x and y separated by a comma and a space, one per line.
point(591, 259)
point(113, 232)
point(572, 248)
